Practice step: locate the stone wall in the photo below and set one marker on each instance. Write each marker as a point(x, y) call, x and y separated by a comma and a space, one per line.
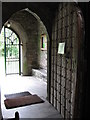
point(30, 46)
point(32, 55)
point(43, 53)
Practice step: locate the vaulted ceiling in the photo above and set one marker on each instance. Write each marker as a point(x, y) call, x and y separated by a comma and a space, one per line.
point(44, 10)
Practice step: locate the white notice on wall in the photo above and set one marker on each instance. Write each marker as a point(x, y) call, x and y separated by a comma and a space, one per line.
point(61, 48)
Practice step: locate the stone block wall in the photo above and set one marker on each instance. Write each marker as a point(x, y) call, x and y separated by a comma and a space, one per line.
point(43, 53)
point(32, 56)
point(43, 60)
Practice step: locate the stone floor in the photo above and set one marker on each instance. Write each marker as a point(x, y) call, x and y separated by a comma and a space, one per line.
point(14, 84)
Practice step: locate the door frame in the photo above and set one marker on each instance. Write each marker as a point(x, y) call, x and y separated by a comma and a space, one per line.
point(5, 50)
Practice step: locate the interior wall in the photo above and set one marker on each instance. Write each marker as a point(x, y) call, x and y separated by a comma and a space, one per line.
point(30, 46)
point(43, 53)
point(31, 28)
point(64, 66)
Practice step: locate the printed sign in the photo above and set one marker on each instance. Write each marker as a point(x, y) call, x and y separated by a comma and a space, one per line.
point(61, 48)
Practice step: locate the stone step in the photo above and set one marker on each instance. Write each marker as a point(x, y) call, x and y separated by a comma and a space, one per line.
point(40, 73)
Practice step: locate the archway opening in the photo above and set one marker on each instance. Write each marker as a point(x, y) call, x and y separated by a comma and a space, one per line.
point(34, 41)
point(11, 52)
point(30, 31)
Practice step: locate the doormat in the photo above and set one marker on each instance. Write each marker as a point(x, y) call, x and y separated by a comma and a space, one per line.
point(22, 101)
point(21, 94)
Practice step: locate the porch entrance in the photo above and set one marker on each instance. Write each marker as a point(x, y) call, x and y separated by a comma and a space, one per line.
point(12, 52)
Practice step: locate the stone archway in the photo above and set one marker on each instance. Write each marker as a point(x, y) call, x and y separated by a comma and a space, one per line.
point(29, 27)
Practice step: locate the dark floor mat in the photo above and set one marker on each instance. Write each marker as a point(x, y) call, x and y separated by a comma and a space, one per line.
point(22, 101)
point(21, 94)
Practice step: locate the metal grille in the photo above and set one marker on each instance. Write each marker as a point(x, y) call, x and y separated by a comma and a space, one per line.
point(63, 67)
point(12, 50)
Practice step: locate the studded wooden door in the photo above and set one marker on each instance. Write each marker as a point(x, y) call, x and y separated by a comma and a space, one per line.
point(64, 66)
